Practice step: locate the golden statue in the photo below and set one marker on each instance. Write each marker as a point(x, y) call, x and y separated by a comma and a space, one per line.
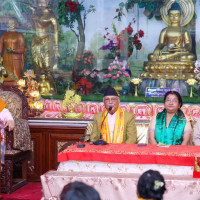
point(44, 85)
point(178, 61)
point(3, 72)
point(43, 47)
point(12, 50)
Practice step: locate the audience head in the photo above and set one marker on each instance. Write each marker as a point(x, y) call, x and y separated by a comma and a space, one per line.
point(79, 191)
point(151, 185)
point(111, 100)
point(172, 101)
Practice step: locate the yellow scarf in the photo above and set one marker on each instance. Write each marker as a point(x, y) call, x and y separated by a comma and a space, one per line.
point(2, 105)
point(119, 127)
point(145, 199)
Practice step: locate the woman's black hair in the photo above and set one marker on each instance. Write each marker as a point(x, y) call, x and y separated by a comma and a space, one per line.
point(151, 185)
point(174, 93)
point(79, 191)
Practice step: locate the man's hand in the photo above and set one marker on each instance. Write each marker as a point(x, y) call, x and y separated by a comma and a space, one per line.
point(10, 124)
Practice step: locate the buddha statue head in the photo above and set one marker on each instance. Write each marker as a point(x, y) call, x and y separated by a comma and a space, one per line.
point(43, 3)
point(175, 14)
point(12, 24)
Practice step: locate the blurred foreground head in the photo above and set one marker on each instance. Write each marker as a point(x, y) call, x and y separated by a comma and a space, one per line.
point(79, 191)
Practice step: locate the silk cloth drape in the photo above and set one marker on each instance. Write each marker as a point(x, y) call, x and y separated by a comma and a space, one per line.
point(118, 186)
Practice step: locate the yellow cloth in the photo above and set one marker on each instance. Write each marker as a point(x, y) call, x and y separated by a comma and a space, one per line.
point(119, 127)
point(2, 105)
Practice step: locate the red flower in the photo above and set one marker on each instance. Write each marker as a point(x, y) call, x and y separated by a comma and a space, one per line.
point(138, 46)
point(141, 33)
point(136, 42)
point(135, 37)
point(129, 30)
point(72, 6)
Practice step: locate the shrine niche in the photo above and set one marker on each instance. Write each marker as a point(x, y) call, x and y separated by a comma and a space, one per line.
point(172, 58)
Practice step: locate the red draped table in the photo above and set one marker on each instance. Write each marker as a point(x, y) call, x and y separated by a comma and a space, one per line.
point(119, 186)
point(132, 153)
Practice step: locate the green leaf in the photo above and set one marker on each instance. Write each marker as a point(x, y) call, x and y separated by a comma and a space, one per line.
point(114, 29)
point(141, 5)
point(121, 4)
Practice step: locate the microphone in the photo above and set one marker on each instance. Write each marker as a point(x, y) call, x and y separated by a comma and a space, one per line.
point(100, 141)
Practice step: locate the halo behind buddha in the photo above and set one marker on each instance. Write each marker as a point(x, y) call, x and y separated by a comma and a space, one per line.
point(187, 7)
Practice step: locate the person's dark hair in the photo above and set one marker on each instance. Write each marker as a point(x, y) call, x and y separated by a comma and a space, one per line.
point(174, 93)
point(151, 185)
point(79, 191)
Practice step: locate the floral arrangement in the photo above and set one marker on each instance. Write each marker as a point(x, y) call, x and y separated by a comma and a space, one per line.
point(136, 81)
point(91, 75)
point(71, 100)
point(86, 61)
point(191, 81)
point(30, 87)
point(115, 74)
point(122, 44)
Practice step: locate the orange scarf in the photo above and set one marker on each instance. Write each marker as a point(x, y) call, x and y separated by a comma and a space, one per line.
point(2, 105)
point(119, 127)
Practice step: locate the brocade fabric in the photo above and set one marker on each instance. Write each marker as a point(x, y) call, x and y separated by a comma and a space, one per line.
point(113, 186)
point(21, 132)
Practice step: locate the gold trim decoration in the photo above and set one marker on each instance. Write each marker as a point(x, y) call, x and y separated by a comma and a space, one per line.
point(186, 5)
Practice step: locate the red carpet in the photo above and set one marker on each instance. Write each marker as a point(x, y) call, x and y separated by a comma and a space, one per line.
point(31, 191)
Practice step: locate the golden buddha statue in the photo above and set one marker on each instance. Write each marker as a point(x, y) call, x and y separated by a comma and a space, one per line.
point(12, 50)
point(43, 47)
point(3, 72)
point(178, 61)
point(44, 86)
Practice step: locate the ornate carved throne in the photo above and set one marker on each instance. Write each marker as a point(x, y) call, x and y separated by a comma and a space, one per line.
point(18, 144)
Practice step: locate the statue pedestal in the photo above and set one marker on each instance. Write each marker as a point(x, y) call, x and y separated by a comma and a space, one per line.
point(181, 84)
point(174, 72)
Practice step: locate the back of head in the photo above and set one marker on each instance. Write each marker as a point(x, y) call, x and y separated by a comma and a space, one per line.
point(79, 191)
point(151, 185)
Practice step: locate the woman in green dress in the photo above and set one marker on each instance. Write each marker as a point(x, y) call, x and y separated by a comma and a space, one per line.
point(171, 126)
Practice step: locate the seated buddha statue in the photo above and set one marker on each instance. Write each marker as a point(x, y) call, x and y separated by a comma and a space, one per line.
point(44, 85)
point(175, 37)
point(172, 58)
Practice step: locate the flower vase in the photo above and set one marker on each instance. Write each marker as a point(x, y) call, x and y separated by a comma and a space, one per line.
point(191, 94)
point(136, 88)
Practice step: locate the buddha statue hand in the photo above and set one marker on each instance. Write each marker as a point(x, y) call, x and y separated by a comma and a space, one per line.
point(156, 54)
point(176, 49)
point(9, 50)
